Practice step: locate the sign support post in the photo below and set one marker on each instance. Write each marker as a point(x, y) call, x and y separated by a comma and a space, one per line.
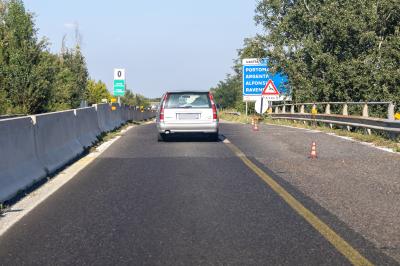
point(261, 105)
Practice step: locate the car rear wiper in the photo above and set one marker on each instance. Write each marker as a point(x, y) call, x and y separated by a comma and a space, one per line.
point(187, 106)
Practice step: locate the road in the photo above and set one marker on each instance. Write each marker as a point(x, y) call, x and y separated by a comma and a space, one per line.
point(194, 202)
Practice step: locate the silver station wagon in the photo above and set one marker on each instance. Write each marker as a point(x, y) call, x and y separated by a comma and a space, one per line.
point(187, 112)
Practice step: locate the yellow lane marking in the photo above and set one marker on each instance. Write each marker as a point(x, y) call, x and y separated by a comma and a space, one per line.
point(338, 242)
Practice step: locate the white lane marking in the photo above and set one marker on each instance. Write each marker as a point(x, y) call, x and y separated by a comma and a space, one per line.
point(364, 143)
point(371, 145)
point(104, 146)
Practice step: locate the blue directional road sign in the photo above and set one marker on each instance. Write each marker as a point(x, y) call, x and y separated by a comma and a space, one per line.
point(256, 76)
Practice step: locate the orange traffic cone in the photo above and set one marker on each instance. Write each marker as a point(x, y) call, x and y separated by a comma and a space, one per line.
point(255, 127)
point(313, 154)
point(252, 122)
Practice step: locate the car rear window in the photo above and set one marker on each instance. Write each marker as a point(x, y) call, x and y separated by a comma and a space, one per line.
point(188, 100)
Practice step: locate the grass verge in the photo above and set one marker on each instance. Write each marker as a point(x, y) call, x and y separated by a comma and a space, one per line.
point(375, 139)
point(3, 209)
point(228, 116)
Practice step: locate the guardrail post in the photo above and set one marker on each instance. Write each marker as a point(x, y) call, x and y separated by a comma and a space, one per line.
point(365, 114)
point(328, 112)
point(276, 110)
point(328, 109)
point(284, 109)
point(365, 110)
point(302, 109)
point(391, 111)
point(345, 109)
point(345, 112)
point(292, 109)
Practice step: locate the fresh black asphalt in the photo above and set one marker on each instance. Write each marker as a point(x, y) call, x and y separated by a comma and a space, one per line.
point(183, 202)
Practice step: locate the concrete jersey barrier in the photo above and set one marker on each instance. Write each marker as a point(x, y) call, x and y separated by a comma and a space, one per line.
point(19, 164)
point(128, 113)
point(56, 139)
point(116, 117)
point(104, 117)
point(87, 126)
point(32, 147)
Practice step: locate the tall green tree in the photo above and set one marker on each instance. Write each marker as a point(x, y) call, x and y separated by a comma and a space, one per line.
point(74, 61)
point(346, 50)
point(133, 99)
point(33, 80)
point(23, 63)
point(228, 93)
point(97, 91)
point(70, 80)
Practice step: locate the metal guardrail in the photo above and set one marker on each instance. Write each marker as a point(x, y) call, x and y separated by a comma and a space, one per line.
point(390, 125)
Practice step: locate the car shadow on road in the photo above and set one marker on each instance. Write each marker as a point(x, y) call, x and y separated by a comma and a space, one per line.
point(192, 137)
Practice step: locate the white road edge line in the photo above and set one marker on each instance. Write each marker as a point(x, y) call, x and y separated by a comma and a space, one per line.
point(32, 200)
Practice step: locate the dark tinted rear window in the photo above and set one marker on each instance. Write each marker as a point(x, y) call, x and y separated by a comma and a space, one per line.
point(188, 100)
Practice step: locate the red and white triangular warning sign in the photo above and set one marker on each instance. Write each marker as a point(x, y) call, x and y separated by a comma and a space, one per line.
point(270, 89)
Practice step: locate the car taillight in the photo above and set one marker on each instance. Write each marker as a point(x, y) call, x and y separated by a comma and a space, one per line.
point(214, 108)
point(215, 115)
point(162, 107)
point(162, 114)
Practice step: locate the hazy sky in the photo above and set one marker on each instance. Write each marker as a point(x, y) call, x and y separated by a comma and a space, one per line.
point(163, 45)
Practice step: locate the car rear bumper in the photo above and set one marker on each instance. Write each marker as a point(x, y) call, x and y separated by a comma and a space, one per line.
point(209, 127)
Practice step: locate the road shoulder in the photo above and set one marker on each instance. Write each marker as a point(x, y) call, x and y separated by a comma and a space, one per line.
point(29, 202)
point(355, 182)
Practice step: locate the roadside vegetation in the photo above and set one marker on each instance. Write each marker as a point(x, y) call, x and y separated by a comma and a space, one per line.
point(133, 99)
point(377, 138)
point(234, 116)
point(2, 209)
point(331, 50)
point(33, 79)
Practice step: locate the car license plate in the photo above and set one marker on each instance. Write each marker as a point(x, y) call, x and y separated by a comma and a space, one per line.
point(188, 116)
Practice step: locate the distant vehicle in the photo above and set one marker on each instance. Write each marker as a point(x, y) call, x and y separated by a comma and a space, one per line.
point(187, 112)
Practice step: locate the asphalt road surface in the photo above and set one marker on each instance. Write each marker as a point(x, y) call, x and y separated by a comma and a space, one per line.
point(187, 201)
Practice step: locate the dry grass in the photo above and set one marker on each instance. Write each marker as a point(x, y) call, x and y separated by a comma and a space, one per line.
point(224, 115)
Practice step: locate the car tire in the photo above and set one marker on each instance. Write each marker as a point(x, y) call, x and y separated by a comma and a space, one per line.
point(161, 137)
